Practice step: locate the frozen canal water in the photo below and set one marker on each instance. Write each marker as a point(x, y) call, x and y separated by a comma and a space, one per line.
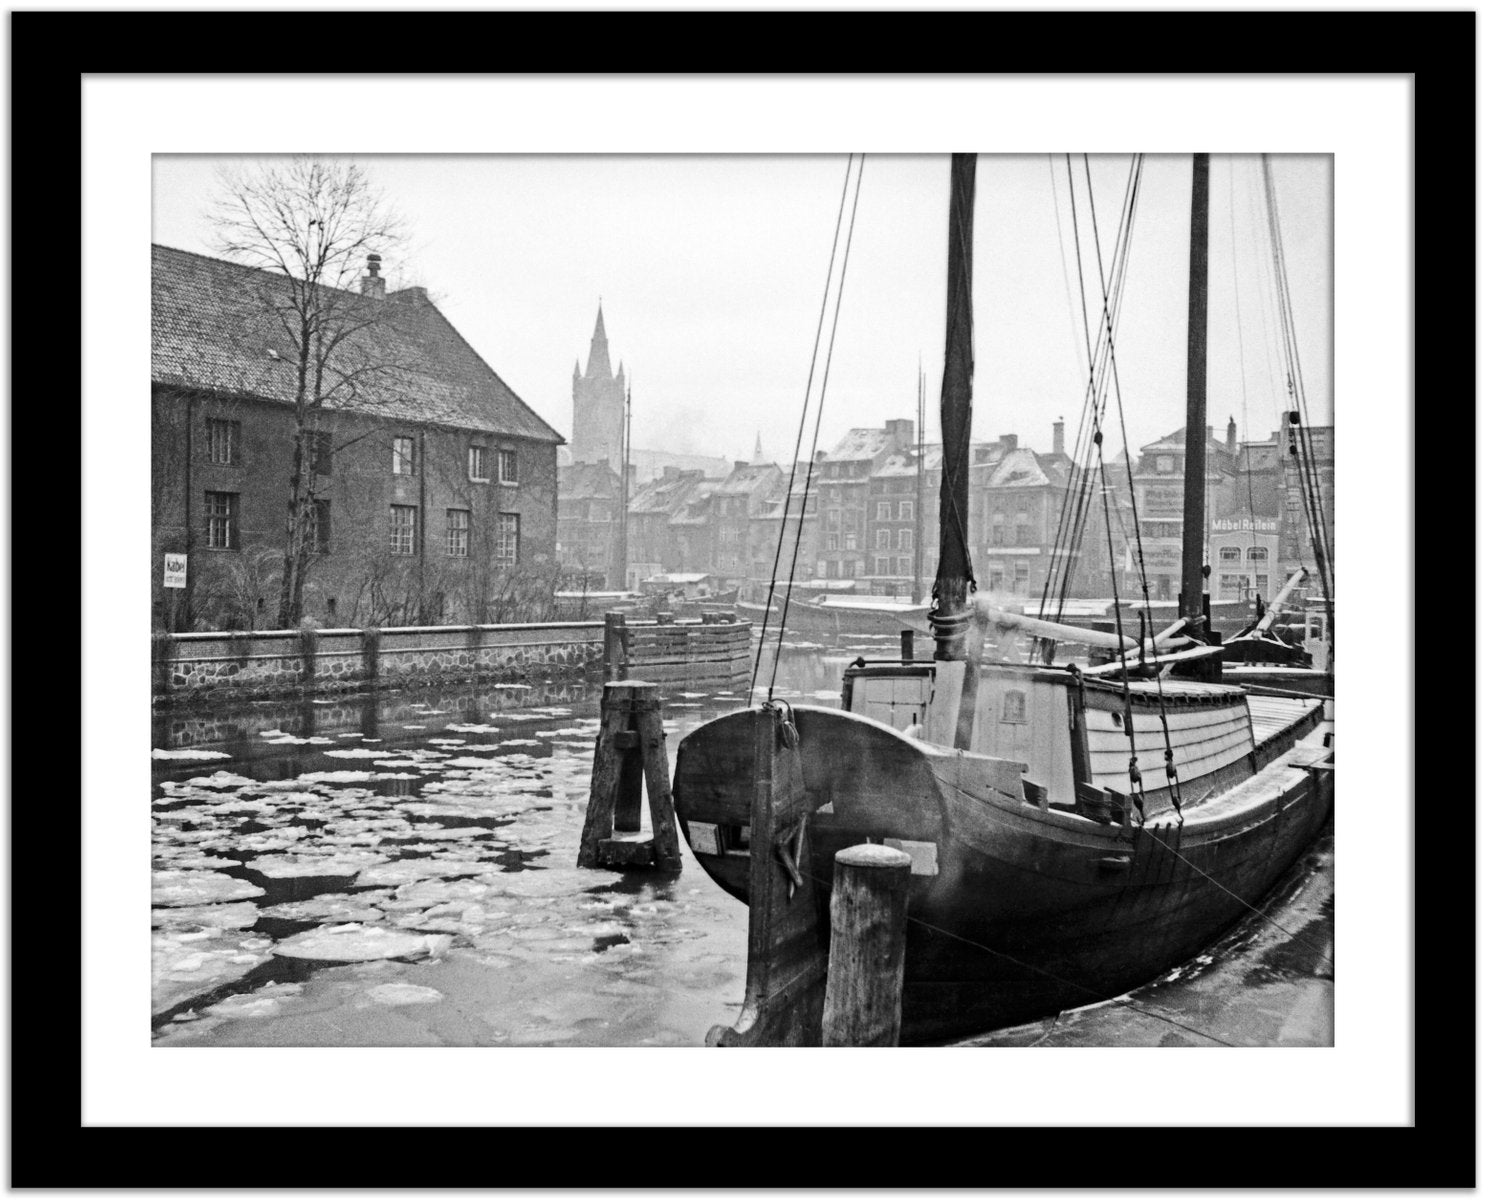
point(399, 870)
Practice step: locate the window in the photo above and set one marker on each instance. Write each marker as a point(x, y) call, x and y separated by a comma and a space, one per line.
point(1263, 584)
point(320, 452)
point(850, 568)
point(1025, 531)
point(1164, 464)
point(834, 518)
point(1229, 554)
point(880, 566)
point(400, 523)
point(507, 530)
point(906, 510)
point(999, 530)
point(821, 568)
point(457, 532)
point(319, 539)
point(884, 510)
point(881, 540)
point(478, 465)
point(403, 458)
point(904, 566)
point(832, 541)
point(506, 466)
point(994, 581)
point(223, 441)
point(1257, 554)
point(831, 571)
point(849, 541)
point(222, 520)
point(1020, 577)
point(906, 539)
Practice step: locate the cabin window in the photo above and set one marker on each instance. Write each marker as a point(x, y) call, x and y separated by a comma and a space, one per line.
point(1015, 706)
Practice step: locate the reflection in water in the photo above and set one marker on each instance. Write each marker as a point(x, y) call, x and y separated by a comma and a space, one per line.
point(398, 868)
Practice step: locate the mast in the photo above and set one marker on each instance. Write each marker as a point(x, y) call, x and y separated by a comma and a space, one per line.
point(625, 500)
point(919, 509)
point(1196, 447)
point(953, 573)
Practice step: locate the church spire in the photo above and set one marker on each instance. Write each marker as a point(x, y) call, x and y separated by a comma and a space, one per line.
point(599, 349)
point(759, 451)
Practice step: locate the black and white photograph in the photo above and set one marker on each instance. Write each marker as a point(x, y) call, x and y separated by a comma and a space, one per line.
point(857, 600)
point(733, 571)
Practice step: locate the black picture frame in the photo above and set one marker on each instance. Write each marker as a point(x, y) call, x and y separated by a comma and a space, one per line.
point(51, 1147)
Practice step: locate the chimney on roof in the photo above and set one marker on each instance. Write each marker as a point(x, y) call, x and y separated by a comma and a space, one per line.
point(901, 432)
point(1008, 442)
point(1230, 436)
point(739, 464)
point(670, 472)
point(373, 284)
point(1059, 436)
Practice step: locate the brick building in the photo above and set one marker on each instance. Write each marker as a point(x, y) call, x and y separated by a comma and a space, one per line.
point(842, 483)
point(589, 543)
point(433, 486)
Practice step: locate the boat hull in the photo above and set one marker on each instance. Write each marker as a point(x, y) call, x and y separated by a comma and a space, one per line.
point(1016, 910)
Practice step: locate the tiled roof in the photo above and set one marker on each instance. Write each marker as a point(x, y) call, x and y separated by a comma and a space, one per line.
point(210, 329)
point(858, 444)
point(746, 479)
point(665, 495)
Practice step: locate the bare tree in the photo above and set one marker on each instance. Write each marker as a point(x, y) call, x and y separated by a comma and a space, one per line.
point(311, 225)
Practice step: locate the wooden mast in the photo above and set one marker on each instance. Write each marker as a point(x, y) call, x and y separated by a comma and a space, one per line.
point(919, 509)
point(1196, 442)
point(953, 572)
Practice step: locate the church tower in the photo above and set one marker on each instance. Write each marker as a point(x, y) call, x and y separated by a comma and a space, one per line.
point(598, 404)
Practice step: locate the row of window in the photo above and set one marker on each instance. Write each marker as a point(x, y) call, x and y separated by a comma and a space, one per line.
point(1252, 554)
point(223, 534)
point(1238, 586)
point(225, 448)
point(885, 509)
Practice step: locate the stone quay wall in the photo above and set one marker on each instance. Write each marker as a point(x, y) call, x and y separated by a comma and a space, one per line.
point(268, 663)
point(279, 662)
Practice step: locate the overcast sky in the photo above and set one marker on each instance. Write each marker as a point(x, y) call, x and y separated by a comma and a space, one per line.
point(711, 271)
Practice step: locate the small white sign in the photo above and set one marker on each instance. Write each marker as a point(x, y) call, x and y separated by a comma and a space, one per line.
point(175, 570)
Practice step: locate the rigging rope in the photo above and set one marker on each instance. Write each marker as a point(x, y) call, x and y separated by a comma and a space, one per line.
point(816, 431)
point(800, 429)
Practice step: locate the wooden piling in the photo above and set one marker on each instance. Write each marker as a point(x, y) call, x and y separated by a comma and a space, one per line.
point(616, 665)
point(630, 748)
point(865, 967)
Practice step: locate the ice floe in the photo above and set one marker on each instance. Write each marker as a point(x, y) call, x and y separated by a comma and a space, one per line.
point(183, 965)
point(403, 993)
point(337, 907)
point(172, 889)
point(301, 866)
point(410, 869)
point(190, 755)
point(358, 943)
point(208, 916)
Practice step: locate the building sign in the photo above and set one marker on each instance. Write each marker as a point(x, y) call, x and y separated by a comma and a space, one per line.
point(1162, 501)
point(1162, 559)
point(175, 570)
point(1245, 525)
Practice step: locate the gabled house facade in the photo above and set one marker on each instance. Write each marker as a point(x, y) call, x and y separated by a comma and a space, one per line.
point(433, 491)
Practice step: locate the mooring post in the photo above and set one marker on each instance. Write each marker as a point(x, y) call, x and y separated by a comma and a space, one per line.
point(865, 966)
point(615, 666)
point(630, 747)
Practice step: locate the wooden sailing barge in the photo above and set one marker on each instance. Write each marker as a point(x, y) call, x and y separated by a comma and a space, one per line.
point(1073, 832)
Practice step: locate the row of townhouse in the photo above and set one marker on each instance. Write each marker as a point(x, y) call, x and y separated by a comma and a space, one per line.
point(865, 511)
point(432, 486)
